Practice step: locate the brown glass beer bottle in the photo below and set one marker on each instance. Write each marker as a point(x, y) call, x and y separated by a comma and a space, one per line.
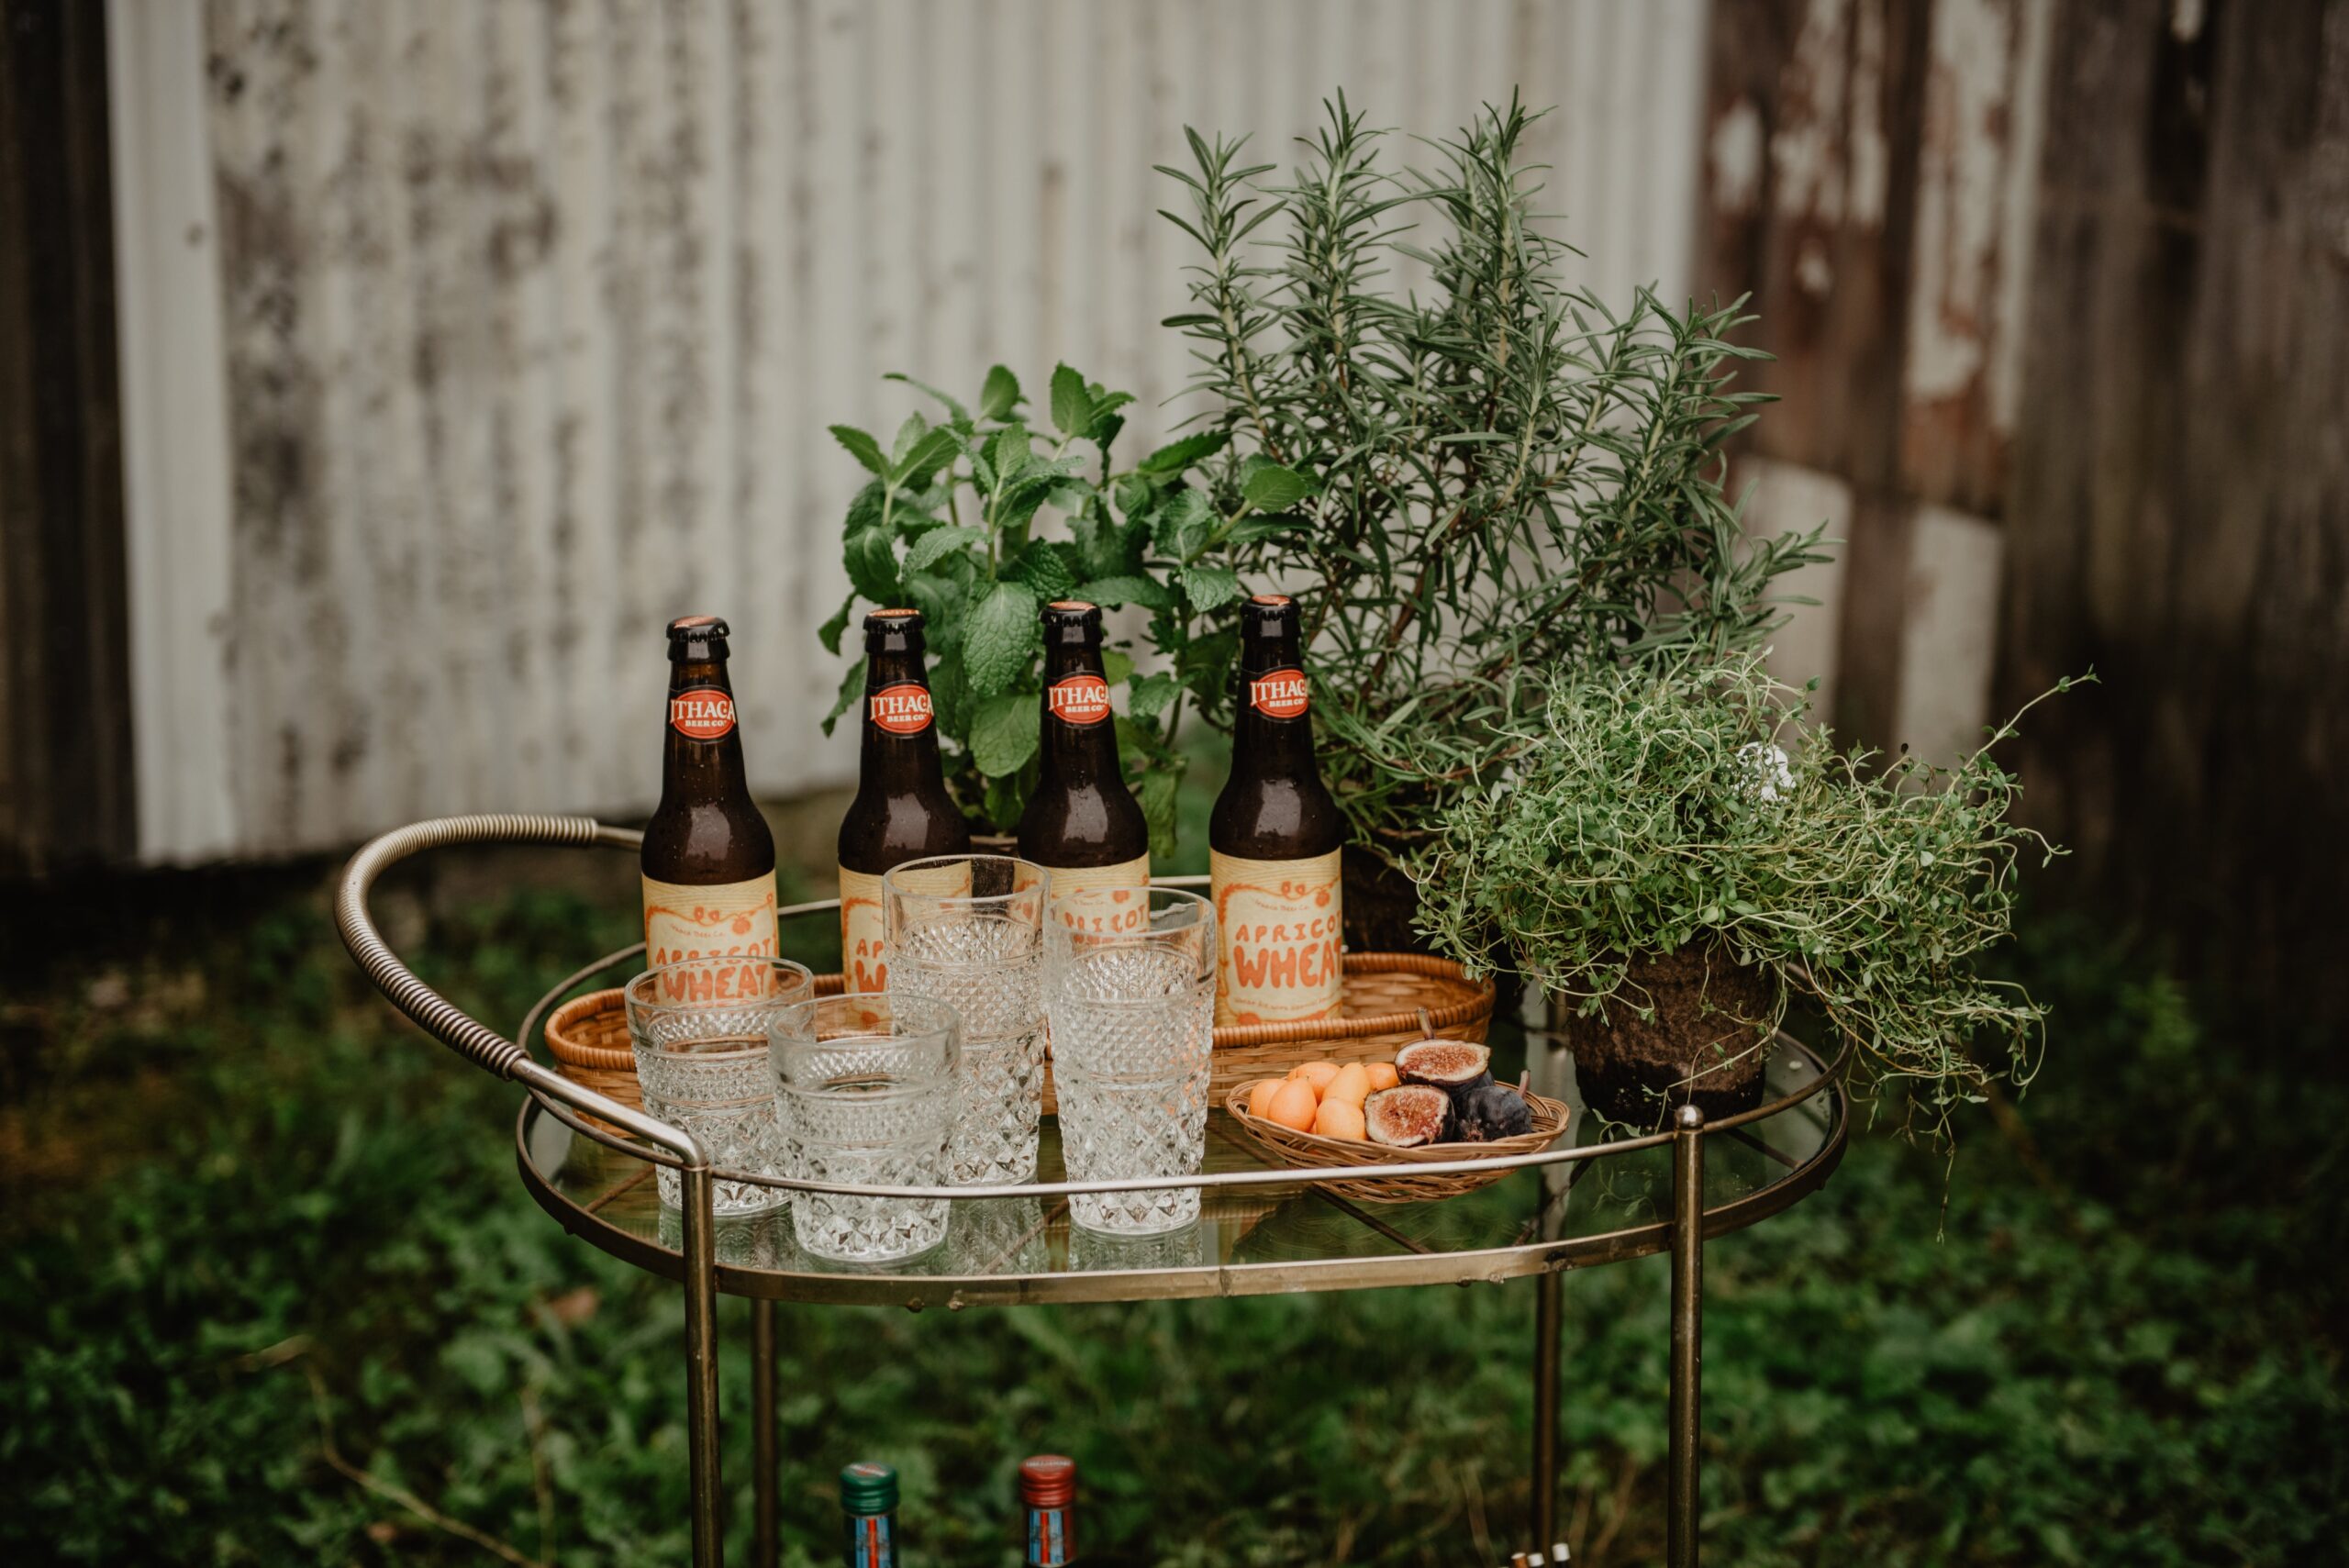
point(902, 811)
point(1273, 841)
point(1082, 825)
point(708, 857)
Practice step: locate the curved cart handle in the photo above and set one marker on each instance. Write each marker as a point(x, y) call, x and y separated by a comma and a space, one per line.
point(443, 1019)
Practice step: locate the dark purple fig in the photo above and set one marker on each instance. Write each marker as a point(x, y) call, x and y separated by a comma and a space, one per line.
point(1408, 1117)
point(1495, 1111)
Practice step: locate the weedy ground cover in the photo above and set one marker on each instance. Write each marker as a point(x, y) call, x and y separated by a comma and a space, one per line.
point(270, 1294)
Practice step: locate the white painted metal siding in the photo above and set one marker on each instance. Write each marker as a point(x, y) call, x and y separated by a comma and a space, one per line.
point(530, 316)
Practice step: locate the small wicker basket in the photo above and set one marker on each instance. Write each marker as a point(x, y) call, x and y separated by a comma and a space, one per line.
point(1308, 1151)
point(1390, 999)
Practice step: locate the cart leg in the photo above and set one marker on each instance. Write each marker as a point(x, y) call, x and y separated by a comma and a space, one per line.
point(765, 1553)
point(1688, 1306)
point(701, 1368)
point(1547, 1311)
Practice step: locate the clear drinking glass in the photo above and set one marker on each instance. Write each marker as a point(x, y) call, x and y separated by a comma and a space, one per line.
point(1132, 1014)
point(699, 1029)
point(865, 1090)
point(968, 931)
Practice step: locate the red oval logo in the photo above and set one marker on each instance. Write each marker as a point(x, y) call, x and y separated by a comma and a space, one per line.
point(1078, 699)
point(901, 709)
point(1280, 693)
point(703, 714)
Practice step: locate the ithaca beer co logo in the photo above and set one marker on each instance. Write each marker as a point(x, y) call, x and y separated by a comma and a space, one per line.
point(1079, 699)
point(901, 709)
point(703, 714)
point(1278, 694)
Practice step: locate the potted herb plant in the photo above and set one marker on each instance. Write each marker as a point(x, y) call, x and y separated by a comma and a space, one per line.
point(1673, 853)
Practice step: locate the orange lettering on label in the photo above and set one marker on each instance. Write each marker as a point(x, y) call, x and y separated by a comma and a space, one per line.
point(1280, 693)
point(1279, 931)
point(902, 709)
point(1078, 699)
point(703, 714)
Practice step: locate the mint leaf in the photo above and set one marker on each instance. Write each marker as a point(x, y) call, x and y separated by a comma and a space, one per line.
point(939, 543)
point(829, 634)
point(1153, 694)
point(862, 447)
point(1009, 451)
point(927, 456)
point(1181, 527)
point(851, 688)
point(1072, 404)
point(948, 694)
point(1005, 732)
point(1000, 394)
point(1254, 528)
point(908, 434)
point(1116, 666)
point(1176, 456)
point(1154, 792)
point(1127, 591)
point(962, 415)
point(1208, 587)
point(999, 636)
point(873, 565)
point(1272, 488)
point(1043, 568)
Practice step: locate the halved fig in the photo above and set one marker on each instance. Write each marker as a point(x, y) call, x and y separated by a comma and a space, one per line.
point(1407, 1116)
point(1452, 1065)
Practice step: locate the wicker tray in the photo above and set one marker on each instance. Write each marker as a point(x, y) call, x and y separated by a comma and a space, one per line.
point(1390, 999)
point(1308, 1151)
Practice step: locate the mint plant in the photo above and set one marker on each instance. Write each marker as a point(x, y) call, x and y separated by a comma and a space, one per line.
point(952, 523)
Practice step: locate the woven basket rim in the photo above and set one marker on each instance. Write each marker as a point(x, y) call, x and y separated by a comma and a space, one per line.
point(571, 1055)
point(1286, 1141)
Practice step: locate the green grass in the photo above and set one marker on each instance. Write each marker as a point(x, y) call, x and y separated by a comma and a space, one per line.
point(241, 1198)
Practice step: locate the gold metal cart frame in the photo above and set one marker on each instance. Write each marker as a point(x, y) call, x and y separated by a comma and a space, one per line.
point(1265, 1230)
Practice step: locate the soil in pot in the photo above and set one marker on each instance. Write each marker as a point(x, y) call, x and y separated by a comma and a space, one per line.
point(1699, 1047)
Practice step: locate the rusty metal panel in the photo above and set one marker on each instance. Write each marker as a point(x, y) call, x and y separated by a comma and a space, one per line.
point(531, 317)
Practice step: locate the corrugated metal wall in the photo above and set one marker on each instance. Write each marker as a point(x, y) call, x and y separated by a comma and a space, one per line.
point(530, 316)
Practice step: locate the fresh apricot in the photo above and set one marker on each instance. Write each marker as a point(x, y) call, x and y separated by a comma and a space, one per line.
point(1293, 1104)
point(1317, 1074)
point(1382, 1075)
point(1351, 1084)
point(1339, 1118)
point(1260, 1098)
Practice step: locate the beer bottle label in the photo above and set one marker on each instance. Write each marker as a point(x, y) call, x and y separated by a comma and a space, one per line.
point(872, 1540)
point(1277, 693)
point(704, 713)
point(864, 925)
point(722, 918)
point(901, 709)
point(1278, 925)
point(1101, 898)
point(1081, 699)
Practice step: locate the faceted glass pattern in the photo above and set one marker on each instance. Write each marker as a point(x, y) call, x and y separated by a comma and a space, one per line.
point(980, 952)
point(699, 1033)
point(866, 1110)
point(1132, 1019)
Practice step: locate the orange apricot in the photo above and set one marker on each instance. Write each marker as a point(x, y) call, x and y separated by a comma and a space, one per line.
point(1340, 1118)
point(1351, 1084)
point(1293, 1104)
point(1260, 1096)
point(1317, 1074)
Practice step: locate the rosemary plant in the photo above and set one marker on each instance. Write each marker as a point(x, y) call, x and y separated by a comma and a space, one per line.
point(1645, 810)
point(1500, 477)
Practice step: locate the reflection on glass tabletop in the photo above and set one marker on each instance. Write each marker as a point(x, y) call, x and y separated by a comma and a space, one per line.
point(1248, 1240)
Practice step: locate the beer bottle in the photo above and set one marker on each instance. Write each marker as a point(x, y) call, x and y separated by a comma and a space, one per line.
point(902, 811)
point(1048, 1494)
point(1273, 841)
point(869, 1515)
point(1081, 824)
point(708, 857)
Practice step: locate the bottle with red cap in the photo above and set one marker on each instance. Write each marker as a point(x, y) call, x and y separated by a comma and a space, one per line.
point(1048, 1490)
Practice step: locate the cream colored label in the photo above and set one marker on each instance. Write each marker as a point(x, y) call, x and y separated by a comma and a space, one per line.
point(1277, 929)
point(864, 934)
point(726, 918)
point(1101, 898)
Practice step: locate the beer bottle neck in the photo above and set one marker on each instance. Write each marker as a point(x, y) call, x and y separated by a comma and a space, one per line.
point(694, 768)
point(1077, 755)
point(897, 757)
point(1266, 745)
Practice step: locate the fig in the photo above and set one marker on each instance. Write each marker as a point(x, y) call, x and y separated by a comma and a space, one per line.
point(1452, 1065)
point(1408, 1117)
point(1494, 1111)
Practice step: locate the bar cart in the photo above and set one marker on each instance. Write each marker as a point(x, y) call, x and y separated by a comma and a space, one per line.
point(589, 1159)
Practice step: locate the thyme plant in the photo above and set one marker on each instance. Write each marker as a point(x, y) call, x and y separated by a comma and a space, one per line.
point(1648, 808)
point(1502, 476)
